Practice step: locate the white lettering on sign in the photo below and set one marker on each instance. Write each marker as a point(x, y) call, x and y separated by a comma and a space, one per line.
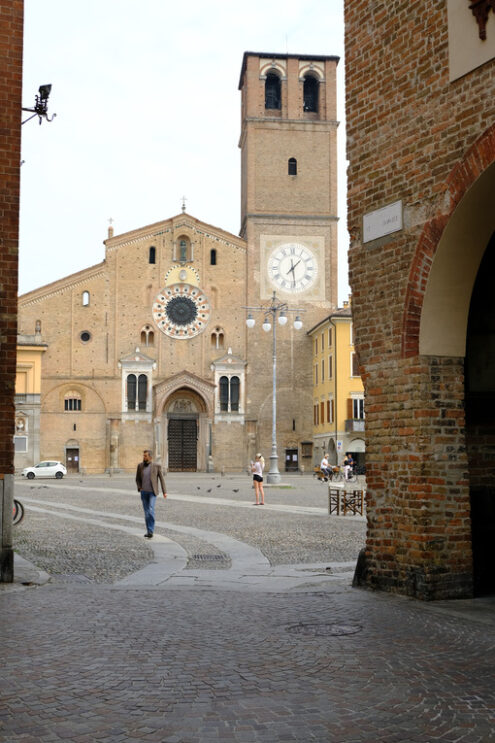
point(382, 221)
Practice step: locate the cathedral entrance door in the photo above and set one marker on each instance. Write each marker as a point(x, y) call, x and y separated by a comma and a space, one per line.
point(182, 444)
point(72, 460)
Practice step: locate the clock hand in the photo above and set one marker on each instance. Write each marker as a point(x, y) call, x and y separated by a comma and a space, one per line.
point(291, 266)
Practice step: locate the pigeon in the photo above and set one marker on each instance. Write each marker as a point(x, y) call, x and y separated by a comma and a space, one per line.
point(235, 490)
point(197, 487)
point(219, 486)
point(209, 490)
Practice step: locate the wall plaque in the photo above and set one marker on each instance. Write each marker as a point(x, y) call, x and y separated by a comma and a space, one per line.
point(382, 221)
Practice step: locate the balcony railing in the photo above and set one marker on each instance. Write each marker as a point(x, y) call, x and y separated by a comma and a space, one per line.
point(354, 425)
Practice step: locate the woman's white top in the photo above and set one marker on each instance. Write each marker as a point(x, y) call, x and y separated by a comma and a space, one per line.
point(257, 468)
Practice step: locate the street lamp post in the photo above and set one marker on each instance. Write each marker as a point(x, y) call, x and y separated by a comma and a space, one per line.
point(275, 311)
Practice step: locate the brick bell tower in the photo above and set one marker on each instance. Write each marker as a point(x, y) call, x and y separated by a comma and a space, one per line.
point(289, 219)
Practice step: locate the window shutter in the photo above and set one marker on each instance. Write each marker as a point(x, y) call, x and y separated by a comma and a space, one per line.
point(349, 408)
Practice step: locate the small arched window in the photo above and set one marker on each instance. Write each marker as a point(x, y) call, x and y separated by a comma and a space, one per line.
point(85, 299)
point(213, 257)
point(142, 391)
point(152, 255)
point(310, 93)
point(131, 392)
point(183, 250)
point(234, 394)
point(217, 338)
point(273, 99)
point(229, 390)
point(292, 166)
point(224, 393)
point(147, 336)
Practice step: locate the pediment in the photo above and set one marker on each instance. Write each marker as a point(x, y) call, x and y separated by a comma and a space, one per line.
point(136, 357)
point(228, 360)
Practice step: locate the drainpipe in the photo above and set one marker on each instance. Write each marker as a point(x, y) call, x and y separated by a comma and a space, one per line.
point(335, 387)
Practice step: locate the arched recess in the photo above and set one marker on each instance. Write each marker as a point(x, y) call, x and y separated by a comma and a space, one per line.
point(186, 432)
point(448, 256)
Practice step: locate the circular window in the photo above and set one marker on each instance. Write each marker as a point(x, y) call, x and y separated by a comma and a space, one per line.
point(181, 311)
point(85, 336)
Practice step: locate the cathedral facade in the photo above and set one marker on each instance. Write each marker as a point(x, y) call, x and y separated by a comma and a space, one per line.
point(150, 348)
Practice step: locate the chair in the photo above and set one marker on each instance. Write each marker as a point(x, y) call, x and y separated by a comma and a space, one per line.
point(334, 495)
point(353, 501)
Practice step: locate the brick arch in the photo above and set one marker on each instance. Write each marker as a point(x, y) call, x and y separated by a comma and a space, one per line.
point(475, 162)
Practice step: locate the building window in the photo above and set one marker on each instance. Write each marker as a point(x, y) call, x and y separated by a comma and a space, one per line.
point(147, 336)
point(354, 365)
point(316, 346)
point(358, 408)
point(229, 394)
point(184, 248)
point(329, 337)
point(131, 392)
point(20, 444)
point(85, 299)
point(272, 91)
point(315, 414)
point(323, 370)
point(152, 255)
point(142, 391)
point(329, 411)
point(72, 401)
point(322, 412)
point(316, 374)
point(213, 257)
point(322, 341)
point(310, 94)
point(217, 338)
point(234, 394)
point(292, 166)
point(330, 367)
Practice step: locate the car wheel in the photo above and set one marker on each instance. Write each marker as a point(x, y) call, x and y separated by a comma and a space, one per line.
point(30, 475)
point(59, 475)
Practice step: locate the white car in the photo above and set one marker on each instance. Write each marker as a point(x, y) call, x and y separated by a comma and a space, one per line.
point(45, 469)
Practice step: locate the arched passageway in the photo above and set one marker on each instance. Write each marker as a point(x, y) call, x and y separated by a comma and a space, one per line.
point(458, 321)
point(480, 421)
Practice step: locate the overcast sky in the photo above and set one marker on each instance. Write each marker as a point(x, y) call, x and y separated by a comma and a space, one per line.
point(148, 110)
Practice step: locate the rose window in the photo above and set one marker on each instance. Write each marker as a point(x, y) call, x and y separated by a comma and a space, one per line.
point(181, 311)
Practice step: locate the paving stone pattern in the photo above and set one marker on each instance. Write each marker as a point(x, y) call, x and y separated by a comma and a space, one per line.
point(89, 663)
point(88, 659)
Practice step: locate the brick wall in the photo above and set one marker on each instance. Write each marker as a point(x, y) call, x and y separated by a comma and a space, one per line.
point(11, 20)
point(410, 134)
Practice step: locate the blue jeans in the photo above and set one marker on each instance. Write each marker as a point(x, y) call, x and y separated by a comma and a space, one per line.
point(148, 500)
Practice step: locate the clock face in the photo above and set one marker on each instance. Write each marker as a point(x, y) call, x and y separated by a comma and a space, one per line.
point(181, 311)
point(292, 267)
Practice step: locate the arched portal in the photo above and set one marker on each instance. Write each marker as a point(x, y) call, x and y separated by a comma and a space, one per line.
point(185, 431)
point(458, 322)
point(480, 420)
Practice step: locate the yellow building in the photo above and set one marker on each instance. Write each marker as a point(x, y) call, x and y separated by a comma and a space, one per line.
point(338, 396)
point(30, 350)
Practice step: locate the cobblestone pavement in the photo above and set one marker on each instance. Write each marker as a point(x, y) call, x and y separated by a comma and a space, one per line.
point(95, 661)
point(292, 528)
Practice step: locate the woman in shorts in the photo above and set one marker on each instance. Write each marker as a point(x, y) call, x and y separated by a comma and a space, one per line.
point(257, 468)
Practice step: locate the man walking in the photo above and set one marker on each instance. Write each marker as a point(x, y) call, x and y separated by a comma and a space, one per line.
point(147, 476)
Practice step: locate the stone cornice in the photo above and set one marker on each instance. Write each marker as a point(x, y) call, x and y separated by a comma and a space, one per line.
point(58, 287)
